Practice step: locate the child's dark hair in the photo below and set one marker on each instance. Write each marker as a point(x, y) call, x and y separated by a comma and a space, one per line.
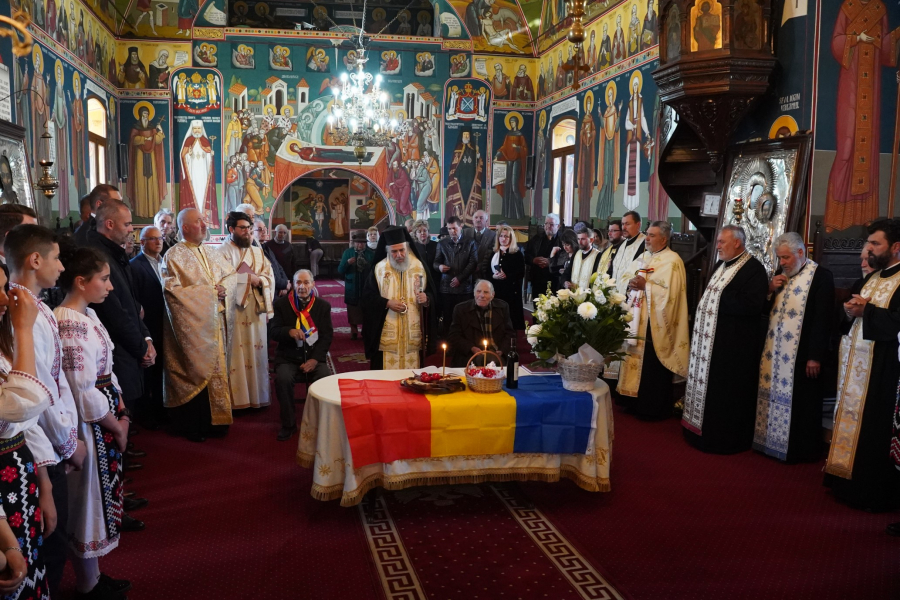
point(79, 262)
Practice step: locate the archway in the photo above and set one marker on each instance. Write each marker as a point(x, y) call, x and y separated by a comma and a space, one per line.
point(309, 205)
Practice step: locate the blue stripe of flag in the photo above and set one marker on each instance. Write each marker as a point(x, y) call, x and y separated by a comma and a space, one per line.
point(550, 419)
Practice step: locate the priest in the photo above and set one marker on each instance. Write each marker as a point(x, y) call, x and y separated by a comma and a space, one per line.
point(720, 400)
point(791, 385)
point(662, 347)
point(398, 324)
point(861, 472)
point(199, 294)
point(583, 264)
point(628, 251)
point(254, 292)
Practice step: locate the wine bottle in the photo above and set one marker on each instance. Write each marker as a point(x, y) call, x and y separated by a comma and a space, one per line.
point(512, 366)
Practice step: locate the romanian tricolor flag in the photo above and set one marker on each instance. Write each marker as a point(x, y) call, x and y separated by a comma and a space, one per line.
point(385, 423)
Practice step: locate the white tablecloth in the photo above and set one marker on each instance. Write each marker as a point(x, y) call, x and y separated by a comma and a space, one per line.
point(324, 448)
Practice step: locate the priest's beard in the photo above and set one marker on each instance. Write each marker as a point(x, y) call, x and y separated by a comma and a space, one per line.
point(241, 242)
point(399, 266)
point(794, 268)
point(879, 261)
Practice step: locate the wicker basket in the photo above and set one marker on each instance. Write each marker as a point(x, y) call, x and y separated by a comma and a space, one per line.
point(480, 384)
point(578, 377)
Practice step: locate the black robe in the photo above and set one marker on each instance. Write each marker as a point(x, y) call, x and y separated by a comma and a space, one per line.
point(655, 399)
point(510, 289)
point(375, 310)
point(540, 246)
point(805, 435)
point(730, 409)
point(876, 483)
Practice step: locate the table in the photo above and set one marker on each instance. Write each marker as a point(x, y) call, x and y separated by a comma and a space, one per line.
point(324, 448)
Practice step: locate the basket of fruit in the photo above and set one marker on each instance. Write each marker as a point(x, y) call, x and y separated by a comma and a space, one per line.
point(433, 383)
point(487, 379)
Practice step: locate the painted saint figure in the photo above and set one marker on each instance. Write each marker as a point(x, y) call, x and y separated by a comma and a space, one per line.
point(60, 117)
point(198, 177)
point(608, 155)
point(514, 152)
point(147, 181)
point(464, 181)
point(862, 43)
point(636, 131)
point(584, 177)
point(706, 28)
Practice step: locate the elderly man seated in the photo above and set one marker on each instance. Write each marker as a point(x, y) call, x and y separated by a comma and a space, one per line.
point(484, 318)
point(302, 327)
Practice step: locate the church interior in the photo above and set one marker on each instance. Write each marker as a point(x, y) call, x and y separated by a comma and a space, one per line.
point(702, 113)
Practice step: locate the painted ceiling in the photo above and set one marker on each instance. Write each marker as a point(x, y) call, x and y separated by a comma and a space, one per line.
point(516, 27)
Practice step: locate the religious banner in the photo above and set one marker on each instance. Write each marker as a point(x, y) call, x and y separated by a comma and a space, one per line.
point(197, 142)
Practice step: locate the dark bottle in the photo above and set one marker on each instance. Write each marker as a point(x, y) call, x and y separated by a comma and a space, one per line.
point(512, 366)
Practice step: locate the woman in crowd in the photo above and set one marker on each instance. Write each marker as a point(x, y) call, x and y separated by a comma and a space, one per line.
point(28, 514)
point(599, 239)
point(95, 492)
point(507, 271)
point(560, 257)
point(426, 247)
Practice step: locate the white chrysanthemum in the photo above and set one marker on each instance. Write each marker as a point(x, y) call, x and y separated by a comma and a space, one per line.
point(587, 311)
point(628, 317)
point(535, 330)
point(532, 340)
point(600, 297)
point(617, 298)
point(563, 294)
point(541, 315)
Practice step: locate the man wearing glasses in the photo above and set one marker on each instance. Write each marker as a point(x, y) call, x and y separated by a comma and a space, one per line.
point(146, 270)
point(615, 241)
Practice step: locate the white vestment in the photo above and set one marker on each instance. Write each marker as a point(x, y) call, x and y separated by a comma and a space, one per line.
point(198, 163)
point(248, 369)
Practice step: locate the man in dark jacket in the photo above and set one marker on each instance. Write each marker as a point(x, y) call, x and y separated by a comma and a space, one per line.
point(146, 269)
point(484, 318)
point(356, 263)
point(537, 255)
point(484, 238)
point(261, 235)
point(457, 260)
point(120, 313)
point(100, 194)
point(302, 327)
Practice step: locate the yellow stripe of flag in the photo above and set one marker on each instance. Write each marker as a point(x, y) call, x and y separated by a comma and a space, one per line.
point(468, 423)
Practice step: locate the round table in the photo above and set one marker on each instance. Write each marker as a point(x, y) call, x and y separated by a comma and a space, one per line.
point(324, 447)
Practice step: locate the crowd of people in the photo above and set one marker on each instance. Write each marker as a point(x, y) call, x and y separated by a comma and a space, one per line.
point(179, 336)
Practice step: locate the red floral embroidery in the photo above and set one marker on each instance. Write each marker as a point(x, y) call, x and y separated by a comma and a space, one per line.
point(8, 474)
point(114, 466)
point(31, 488)
point(108, 438)
point(16, 520)
point(37, 515)
point(31, 532)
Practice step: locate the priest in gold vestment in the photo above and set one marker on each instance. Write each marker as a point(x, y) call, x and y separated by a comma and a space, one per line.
point(398, 327)
point(254, 291)
point(199, 293)
point(659, 306)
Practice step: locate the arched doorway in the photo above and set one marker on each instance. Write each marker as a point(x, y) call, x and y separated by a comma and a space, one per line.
point(329, 204)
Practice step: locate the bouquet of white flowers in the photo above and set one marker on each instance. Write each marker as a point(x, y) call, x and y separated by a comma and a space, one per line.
point(571, 318)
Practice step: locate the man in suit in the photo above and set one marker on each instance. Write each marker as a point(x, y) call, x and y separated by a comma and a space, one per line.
point(538, 253)
point(484, 318)
point(302, 327)
point(100, 194)
point(120, 313)
point(146, 269)
point(484, 238)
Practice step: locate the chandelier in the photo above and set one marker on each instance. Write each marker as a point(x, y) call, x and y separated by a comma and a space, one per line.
point(360, 113)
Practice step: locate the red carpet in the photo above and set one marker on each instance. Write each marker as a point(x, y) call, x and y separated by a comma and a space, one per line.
point(233, 519)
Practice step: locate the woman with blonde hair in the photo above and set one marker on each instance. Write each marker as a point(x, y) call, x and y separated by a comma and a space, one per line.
point(507, 269)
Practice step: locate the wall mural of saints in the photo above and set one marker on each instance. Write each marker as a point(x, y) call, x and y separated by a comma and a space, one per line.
point(390, 63)
point(280, 58)
point(197, 188)
point(317, 61)
point(242, 57)
point(608, 152)
point(424, 64)
point(541, 160)
point(585, 175)
point(205, 55)
point(495, 25)
point(637, 141)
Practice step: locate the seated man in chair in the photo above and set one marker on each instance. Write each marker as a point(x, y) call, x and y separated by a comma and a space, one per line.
point(484, 318)
point(302, 327)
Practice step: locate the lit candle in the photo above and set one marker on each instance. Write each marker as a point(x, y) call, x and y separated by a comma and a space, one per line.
point(444, 364)
point(485, 347)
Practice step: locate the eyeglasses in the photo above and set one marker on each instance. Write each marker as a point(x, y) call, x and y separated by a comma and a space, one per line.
point(153, 239)
point(242, 227)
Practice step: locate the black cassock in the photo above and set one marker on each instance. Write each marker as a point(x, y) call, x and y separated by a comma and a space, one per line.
point(805, 442)
point(876, 481)
point(729, 414)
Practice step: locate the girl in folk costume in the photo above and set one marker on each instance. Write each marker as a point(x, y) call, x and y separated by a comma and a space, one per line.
point(95, 492)
point(27, 513)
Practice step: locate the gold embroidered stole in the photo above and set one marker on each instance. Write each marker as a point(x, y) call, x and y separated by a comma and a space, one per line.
point(664, 311)
point(706, 319)
point(853, 380)
point(775, 394)
point(401, 337)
